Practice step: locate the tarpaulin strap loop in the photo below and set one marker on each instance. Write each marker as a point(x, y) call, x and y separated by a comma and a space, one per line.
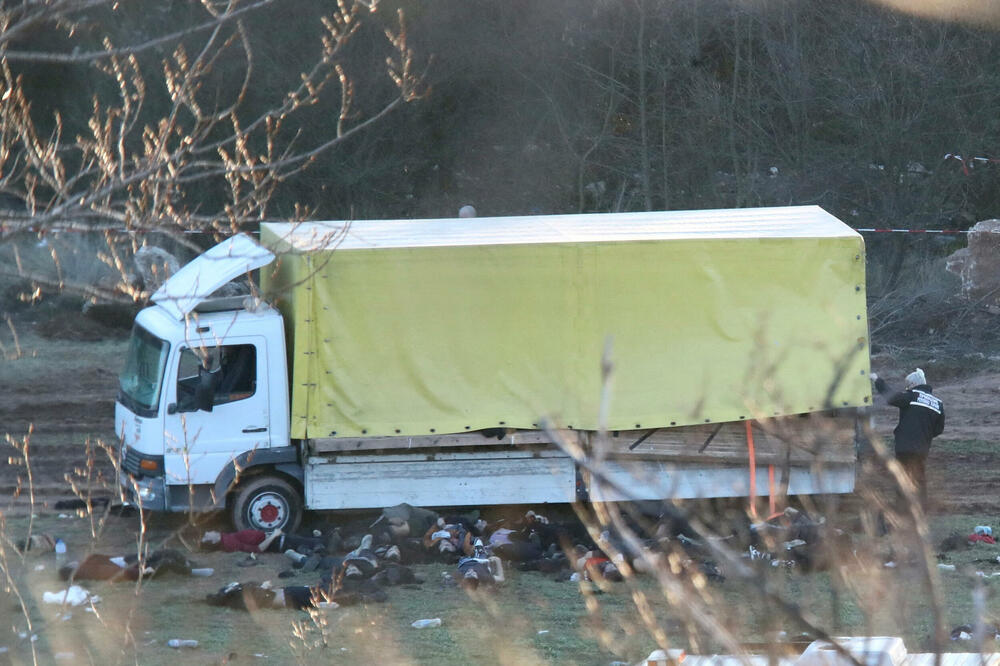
point(753, 469)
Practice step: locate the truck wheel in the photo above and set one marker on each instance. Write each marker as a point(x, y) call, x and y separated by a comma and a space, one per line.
point(266, 503)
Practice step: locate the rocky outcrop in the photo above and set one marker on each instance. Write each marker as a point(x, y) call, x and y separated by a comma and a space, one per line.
point(978, 265)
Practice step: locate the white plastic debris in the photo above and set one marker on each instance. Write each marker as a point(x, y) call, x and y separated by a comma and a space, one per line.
point(868, 650)
point(946, 567)
point(542, 632)
point(74, 596)
point(424, 624)
point(665, 657)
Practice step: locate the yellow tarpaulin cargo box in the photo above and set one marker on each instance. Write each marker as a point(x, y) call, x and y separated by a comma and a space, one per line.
point(415, 327)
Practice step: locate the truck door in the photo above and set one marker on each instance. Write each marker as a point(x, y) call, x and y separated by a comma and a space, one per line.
point(199, 443)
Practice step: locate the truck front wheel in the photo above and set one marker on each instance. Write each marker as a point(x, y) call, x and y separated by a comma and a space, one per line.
point(266, 503)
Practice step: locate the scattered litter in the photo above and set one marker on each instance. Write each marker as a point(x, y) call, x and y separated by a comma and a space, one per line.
point(60, 656)
point(330, 605)
point(946, 567)
point(963, 632)
point(182, 643)
point(542, 632)
point(889, 565)
point(423, 624)
point(981, 538)
point(74, 596)
point(250, 561)
point(665, 657)
point(984, 530)
point(60, 548)
point(64, 515)
point(203, 571)
point(575, 578)
point(39, 567)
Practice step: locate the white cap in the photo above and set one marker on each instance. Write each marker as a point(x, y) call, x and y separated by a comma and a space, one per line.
point(915, 378)
point(467, 211)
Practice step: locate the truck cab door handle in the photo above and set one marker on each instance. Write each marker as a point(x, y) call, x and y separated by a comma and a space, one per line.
point(252, 429)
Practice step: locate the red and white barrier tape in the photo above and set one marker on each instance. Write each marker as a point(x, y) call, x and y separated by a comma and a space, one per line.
point(969, 162)
point(915, 231)
point(4, 228)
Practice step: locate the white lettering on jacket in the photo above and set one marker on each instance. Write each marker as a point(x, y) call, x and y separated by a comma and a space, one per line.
point(926, 400)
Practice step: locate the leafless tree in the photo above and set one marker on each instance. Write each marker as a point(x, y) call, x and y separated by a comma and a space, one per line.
point(177, 138)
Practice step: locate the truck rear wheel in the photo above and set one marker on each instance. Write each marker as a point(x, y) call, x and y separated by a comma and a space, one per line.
point(266, 503)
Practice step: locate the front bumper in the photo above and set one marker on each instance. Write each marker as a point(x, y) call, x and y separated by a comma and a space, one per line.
point(147, 493)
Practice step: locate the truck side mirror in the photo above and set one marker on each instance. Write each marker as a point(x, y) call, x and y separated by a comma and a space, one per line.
point(204, 392)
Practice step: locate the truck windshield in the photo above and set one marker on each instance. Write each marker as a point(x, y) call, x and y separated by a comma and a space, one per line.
point(140, 381)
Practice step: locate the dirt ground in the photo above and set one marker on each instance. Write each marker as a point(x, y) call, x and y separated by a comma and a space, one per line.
point(63, 386)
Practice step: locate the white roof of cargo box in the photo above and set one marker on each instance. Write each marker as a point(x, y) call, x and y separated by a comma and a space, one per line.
point(778, 222)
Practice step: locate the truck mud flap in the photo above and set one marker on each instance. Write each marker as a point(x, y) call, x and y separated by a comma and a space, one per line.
point(440, 481)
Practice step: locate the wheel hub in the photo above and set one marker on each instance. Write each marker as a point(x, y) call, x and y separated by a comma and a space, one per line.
point(268, 511)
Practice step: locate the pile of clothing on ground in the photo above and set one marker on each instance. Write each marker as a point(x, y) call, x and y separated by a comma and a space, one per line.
point(356, 561)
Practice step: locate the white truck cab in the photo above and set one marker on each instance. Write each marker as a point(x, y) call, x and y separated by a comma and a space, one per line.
point(204, 389)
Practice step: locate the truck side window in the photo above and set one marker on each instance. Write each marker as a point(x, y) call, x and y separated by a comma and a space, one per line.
point(235, 366)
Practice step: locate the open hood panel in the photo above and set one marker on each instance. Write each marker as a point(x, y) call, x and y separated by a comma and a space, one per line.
point(198, 279)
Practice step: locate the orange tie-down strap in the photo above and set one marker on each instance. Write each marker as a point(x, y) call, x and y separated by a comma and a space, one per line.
point(772, 500)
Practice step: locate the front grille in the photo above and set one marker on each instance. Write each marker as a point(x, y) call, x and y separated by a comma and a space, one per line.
point(132, 458)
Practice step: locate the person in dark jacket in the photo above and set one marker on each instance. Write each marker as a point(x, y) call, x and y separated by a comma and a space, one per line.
point(921, 419)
